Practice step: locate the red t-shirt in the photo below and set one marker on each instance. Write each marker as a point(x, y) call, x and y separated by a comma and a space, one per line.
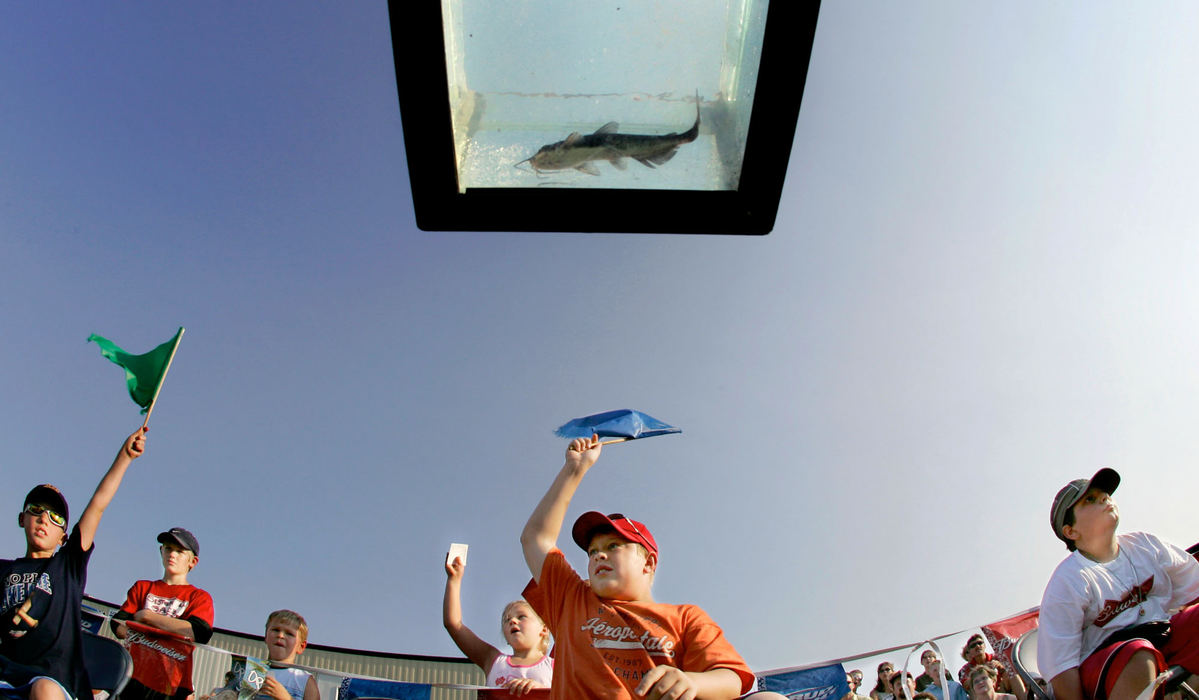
point(1001, 684)
point(162, 661)
point(602, 648)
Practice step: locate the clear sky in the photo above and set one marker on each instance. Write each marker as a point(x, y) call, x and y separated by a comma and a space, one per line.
point(982, 284)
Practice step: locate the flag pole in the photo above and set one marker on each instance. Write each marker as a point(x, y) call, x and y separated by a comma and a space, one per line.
point(163, 378)
point(613, 442)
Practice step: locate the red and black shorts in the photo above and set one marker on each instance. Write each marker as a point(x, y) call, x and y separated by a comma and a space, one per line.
point(1101, 669)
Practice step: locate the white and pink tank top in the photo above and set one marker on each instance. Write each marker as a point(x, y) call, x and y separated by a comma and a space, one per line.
point(503, 670)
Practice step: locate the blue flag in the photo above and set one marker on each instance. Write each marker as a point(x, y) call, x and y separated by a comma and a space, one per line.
point(353, 688)
point(618, 424)
point(820, 683)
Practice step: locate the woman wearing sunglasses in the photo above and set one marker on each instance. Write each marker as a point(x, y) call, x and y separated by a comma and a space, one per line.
point(882, 686)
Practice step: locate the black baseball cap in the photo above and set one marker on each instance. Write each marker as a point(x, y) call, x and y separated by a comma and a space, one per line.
point(181, 537)
point(48, 495)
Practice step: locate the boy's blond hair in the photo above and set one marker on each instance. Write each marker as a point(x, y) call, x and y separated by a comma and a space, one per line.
point(545, 638)
point(290, 617)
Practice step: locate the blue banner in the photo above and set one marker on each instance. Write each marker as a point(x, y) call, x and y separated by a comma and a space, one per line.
point(92, 620)
point(821, 683)
point(625, 423)
point(355, 688)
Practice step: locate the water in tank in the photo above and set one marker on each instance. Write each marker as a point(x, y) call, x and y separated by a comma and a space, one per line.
point(626, 94)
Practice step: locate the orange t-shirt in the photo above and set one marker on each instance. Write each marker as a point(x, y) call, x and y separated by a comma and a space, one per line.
point(602, 648)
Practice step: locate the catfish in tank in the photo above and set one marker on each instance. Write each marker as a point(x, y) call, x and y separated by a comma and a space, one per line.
point(576, 152)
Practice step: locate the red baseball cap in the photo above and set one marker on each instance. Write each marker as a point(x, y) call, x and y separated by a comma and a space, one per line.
point(592, 521)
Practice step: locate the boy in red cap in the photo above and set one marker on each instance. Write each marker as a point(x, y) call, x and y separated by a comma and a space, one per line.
point(41, 653)
point(162, 664)
point(612, 639)
point(1109, 620)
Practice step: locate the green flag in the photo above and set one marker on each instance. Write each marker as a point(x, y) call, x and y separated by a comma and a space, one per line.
point(143, 373)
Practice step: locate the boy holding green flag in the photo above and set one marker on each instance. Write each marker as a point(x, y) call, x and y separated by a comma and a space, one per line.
point(41, 656)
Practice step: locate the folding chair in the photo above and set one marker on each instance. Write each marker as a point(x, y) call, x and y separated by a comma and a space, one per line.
point(108, 663)
point(1024, 658)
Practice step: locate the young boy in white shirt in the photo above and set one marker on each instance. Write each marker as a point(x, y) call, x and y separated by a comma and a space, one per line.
point(1120, 609)
point(286, 638)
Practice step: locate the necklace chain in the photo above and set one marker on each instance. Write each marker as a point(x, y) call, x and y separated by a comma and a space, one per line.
point(1135, 588)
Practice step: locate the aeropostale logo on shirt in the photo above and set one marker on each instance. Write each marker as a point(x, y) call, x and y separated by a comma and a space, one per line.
point(606, 636)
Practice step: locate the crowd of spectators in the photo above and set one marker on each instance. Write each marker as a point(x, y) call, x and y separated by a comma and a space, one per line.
point(982, 677)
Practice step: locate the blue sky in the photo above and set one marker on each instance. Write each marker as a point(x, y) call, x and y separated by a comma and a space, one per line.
point(981, 285)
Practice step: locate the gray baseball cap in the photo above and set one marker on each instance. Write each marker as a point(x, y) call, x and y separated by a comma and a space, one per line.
point(1106, 480)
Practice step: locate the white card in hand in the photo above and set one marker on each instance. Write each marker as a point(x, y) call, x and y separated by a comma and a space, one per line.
point(457, 551)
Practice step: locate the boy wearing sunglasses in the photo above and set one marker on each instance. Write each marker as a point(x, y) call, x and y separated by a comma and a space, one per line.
point(40, 619)
point(613, 640)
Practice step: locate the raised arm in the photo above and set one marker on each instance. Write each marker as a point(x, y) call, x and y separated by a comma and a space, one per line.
point(133, 448)
point(1016, 684)
point(541, 532)
point(478, 651)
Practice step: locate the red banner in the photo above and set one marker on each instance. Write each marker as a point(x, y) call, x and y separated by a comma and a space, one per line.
point(161, 661)
point(1002, 635)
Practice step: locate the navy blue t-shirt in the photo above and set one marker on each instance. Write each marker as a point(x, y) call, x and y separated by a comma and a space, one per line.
point(55, 585)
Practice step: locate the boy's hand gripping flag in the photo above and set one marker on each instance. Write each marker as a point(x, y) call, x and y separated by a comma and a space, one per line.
point(143, 373)
point(623, 425)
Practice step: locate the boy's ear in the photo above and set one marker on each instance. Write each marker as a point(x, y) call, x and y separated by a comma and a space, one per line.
point(1070, 532)
point(651, 563)
point(301, 647)
point(195, 560)
point(21, 520)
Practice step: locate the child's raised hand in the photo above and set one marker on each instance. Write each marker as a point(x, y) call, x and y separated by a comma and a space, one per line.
point(135, 444)
point(583, 452)
point(455, 569)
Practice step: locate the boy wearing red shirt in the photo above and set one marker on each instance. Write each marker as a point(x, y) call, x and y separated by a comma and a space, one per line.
point(162, 663)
